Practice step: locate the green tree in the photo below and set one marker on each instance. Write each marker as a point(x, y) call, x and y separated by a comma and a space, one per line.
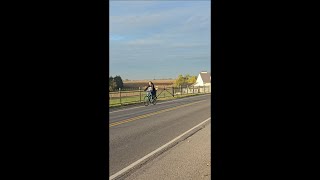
point(118, 81)
point(180, 81)
point(185, 80)
point(110, 79)
point(192, 79)
point(112, 84)
point(187, 77)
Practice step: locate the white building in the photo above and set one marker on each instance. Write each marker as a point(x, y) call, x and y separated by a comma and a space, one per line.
point(203, 83)
point(204, 79)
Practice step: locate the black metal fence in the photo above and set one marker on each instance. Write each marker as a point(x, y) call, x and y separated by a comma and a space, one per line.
point(136, 95)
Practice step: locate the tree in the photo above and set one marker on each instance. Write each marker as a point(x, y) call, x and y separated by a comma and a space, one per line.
point(112, 84)
point(188, 76)
point(192, 79)
point(179, 81)
point(110, 79)
point(115, 83)
point(118, 81)
point(185, 80)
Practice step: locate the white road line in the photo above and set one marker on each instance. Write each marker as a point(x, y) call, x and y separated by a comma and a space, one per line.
point(157, 103)
point(153, 152)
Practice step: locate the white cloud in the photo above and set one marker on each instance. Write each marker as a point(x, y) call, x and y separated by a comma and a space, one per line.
point(174, 16)
point(175, 38)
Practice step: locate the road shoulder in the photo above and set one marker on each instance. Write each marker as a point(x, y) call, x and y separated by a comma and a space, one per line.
point(190, 159)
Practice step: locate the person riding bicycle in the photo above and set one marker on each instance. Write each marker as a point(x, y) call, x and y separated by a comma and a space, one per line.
point(151, 90)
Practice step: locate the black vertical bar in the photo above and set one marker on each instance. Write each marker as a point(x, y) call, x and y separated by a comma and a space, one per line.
point(120, 94)
point(172, 91)
point(140, 93)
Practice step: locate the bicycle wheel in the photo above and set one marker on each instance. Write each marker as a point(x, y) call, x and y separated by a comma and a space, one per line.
point(146, 101)
point(154, 102)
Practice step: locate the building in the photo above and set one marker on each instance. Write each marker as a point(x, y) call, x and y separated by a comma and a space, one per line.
point(204, 79)
point(203, 83)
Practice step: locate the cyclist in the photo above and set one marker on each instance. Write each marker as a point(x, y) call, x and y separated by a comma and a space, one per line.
point(151, 90)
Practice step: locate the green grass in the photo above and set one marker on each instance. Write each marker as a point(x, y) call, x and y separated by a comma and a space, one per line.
point(124, 100)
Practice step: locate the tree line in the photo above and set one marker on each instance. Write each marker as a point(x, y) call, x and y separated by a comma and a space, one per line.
point(115, 83)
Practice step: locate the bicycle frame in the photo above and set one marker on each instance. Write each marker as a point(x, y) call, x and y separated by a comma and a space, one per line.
point(151, 99)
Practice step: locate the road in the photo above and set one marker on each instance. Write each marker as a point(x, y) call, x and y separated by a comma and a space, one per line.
point(134, 132)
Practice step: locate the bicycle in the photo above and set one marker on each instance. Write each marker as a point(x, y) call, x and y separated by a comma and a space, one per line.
point(149, 99)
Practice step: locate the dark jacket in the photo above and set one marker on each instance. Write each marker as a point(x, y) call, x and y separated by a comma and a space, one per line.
point(152, 85)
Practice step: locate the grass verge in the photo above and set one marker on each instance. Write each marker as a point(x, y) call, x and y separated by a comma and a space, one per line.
point(130, 100)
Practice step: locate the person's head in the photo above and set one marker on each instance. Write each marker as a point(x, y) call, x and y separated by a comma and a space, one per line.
point(150, 83)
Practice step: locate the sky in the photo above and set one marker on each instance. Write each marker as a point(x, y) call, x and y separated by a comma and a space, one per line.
point(159, 39)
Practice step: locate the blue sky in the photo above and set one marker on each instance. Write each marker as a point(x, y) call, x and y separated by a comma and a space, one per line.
point(159, 39)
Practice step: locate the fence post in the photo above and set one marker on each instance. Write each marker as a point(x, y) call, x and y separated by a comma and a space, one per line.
point(164, 89)
point(172, 91)
point(187, 89)
point(120, 95)
point(180, 90)
point(140, 93)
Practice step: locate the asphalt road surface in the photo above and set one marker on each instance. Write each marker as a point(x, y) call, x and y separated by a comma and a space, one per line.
point(137, 131)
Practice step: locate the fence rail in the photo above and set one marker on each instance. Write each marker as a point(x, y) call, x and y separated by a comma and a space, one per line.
point(136, 95)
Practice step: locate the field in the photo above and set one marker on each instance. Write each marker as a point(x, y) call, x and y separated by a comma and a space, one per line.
point(144, 83)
